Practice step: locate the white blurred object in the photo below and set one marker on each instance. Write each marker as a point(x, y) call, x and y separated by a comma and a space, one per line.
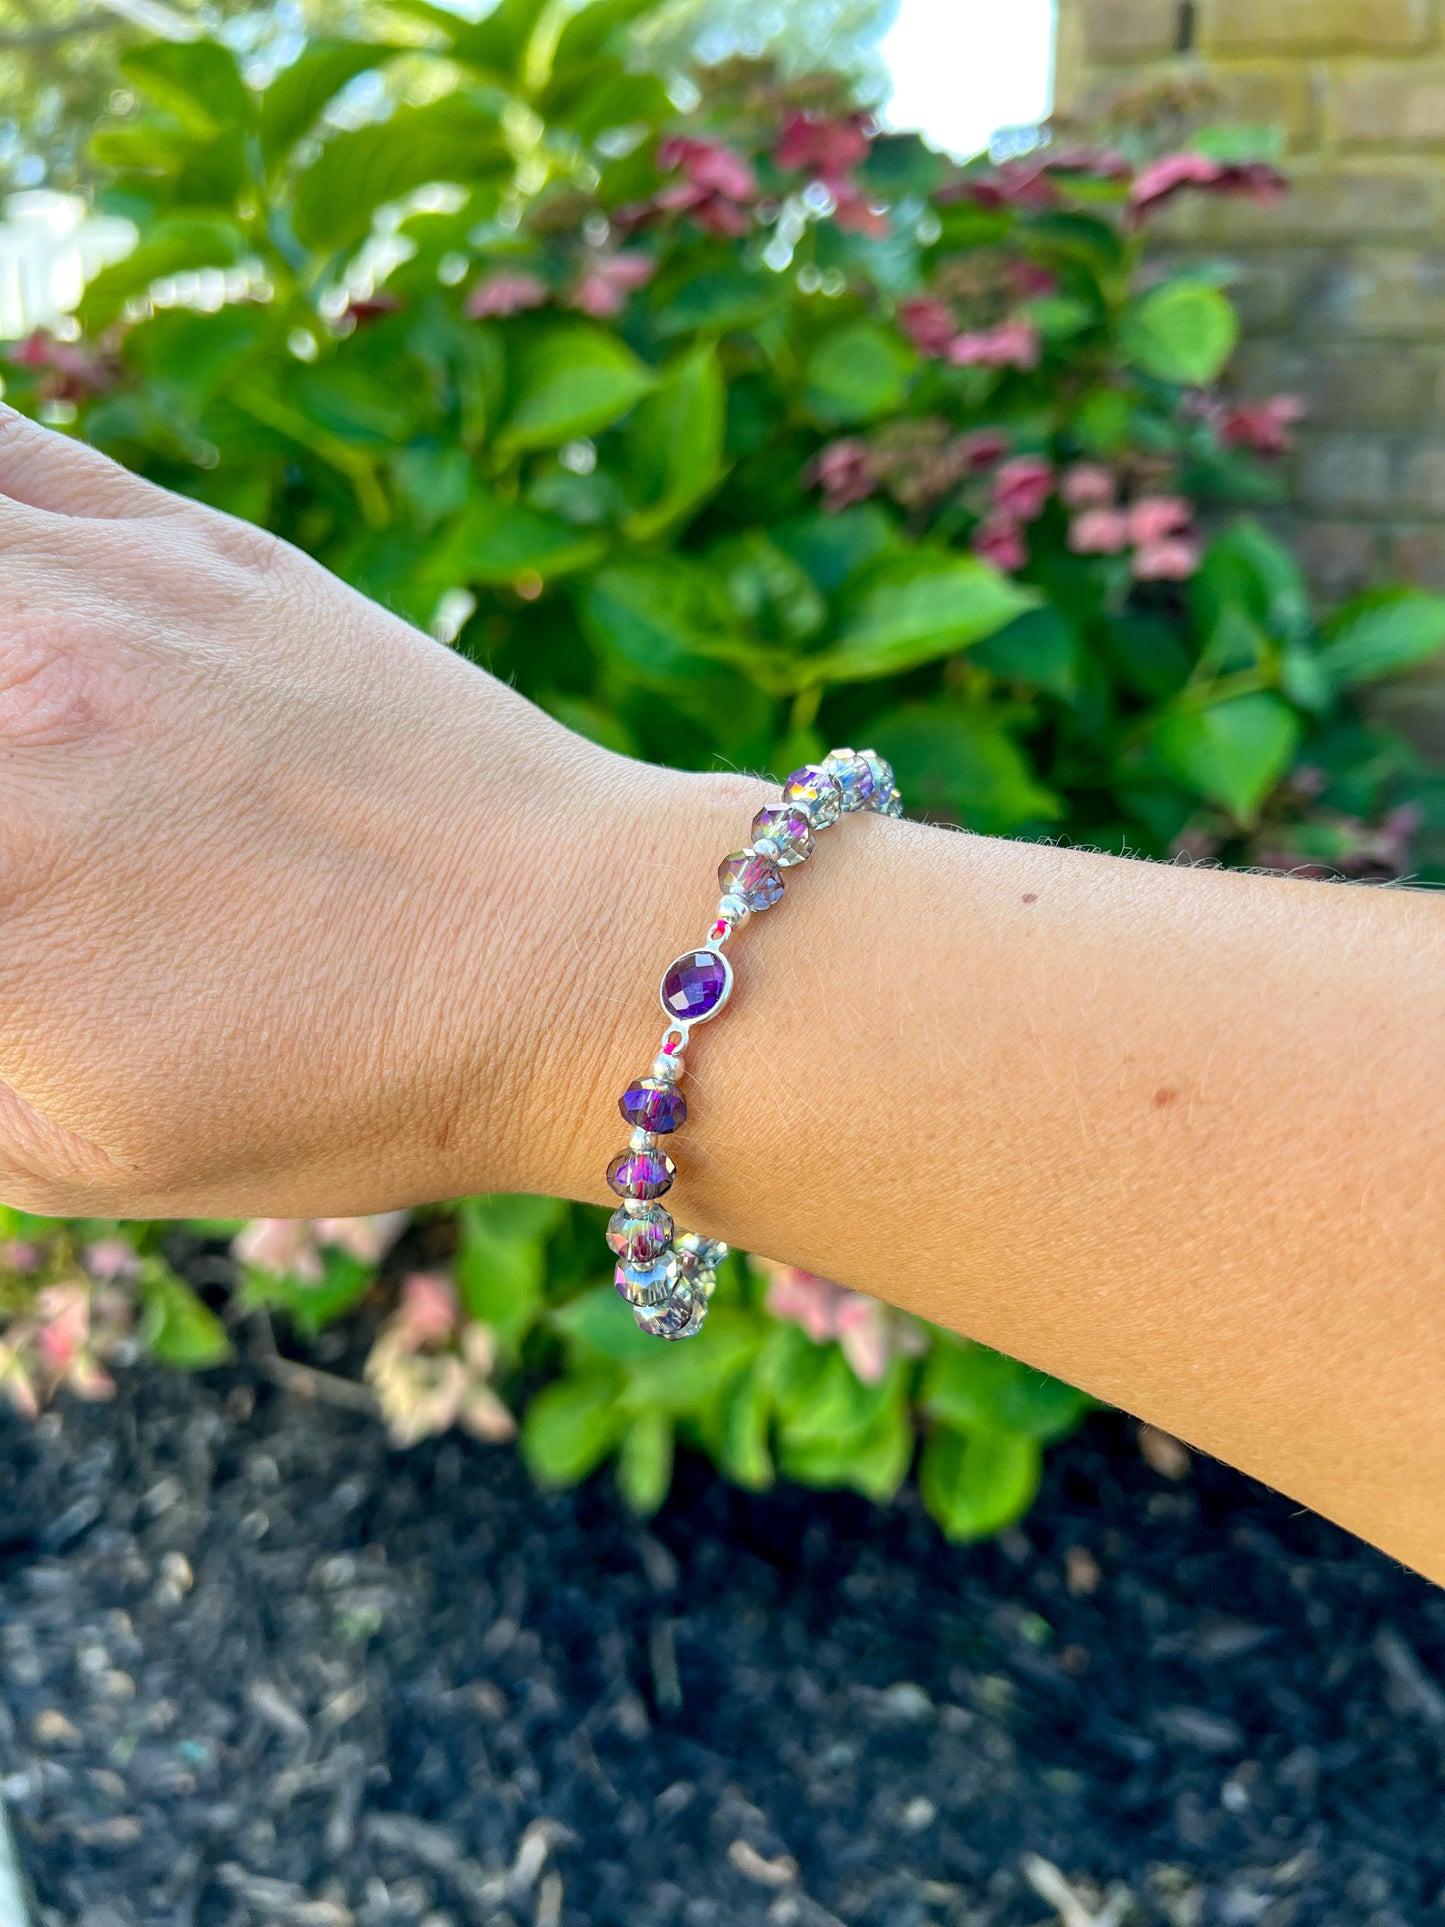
point(50, 246)
point(963, 70)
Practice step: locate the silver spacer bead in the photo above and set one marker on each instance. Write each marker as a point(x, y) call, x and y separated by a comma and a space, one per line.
point(733, 908)
point(642, 1140)
point(667, 1069)
point(766, 846)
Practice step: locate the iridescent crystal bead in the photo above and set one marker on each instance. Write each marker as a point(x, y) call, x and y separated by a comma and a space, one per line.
point(894, 805)
point(648, 1284)
point(882, 778)
point(814, 791)
point(696, 986)
point(790, 833)
point(639, 1236)
point(677, 1316)
point(641, 1174)
point(652, 1105)
point(851, 773)
point(753, 879)
point(699, 1259)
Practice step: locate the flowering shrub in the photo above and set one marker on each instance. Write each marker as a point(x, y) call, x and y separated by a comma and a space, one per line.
point(723, 436)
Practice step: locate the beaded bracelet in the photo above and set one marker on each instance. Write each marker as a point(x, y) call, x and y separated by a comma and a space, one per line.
point(668, 1279)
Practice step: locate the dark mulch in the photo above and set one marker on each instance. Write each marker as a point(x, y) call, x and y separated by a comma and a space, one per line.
point(259, 1669)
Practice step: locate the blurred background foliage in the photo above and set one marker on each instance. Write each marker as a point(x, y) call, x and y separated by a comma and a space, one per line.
point(726, 428)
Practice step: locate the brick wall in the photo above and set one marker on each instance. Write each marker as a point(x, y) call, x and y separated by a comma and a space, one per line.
point(1342, 286)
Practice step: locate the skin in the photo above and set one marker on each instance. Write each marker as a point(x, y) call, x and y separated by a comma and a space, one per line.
point(303, 915)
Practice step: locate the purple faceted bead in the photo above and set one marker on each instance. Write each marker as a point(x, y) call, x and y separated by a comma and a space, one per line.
point(641, 1174)
point(648, 1284)
point(651, 1105)
point(640, 1236)
point(695, 986)
point(754, 879)
point(790, 830)
point(814, 791)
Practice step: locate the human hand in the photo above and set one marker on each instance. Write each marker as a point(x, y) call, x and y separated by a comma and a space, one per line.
point(282, 880)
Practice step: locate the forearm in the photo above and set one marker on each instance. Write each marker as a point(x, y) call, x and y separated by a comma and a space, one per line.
point(1171, 1134)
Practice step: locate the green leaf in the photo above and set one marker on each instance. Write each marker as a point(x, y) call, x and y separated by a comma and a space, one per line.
point(311, 1305)
point(592, 26)
point(963, 763)
point(1040, 648)
point(718, 303)
point(295, 99)
point(176, 1327)
point(644, 1464)
point(521, 1216)
point(743, 1454)
point(359, 170)
point(179, 243)
point(496, 542)
point(918, 608)
point(1233, 752)
point(1245, 568)
point(977, 1483)
point(598, 1321)
point(832, 548)
point(873, 1461)
point(688, 1377)
point(674, 444)
point(196, 80)
point(1181, 332)
point(1381, 634)
point(769, 592)
point(499, 1280)
point(568, 381)
point(570, 1427)
point(666, 621)
point(967, 1385)
point(194, 355)
point(855, 374)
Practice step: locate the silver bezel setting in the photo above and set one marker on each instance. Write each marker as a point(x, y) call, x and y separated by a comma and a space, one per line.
point(685, 1024)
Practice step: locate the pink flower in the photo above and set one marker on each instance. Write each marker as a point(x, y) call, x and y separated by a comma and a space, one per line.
point(842, 471)
point(282, 1246)
point(508, 291)
point(111, 1258)
point(928, 324)
point(606, 281)
point(64, 1324)
point(825, 146)
point(1163, 179)
point(709, 166)
point(980, 448)
point(1022, 487)
point(72, 372)
point(366, 1239)
point(1172, 560)
point(1000, 540)
point(856, 214)
point(867, 1332)
point(1154, 518)
point(1013, 344)
point(1087, 485)
point(19, 1256)
point(1099, 532)
point(714, 213)
point(1263, 425)
point(428, 1309)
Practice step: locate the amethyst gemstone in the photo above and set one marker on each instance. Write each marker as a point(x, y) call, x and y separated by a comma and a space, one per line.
point(640, 1237)
point(641, 1174)
point(651, 1105)
point(755, 879)
point(695, 986)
